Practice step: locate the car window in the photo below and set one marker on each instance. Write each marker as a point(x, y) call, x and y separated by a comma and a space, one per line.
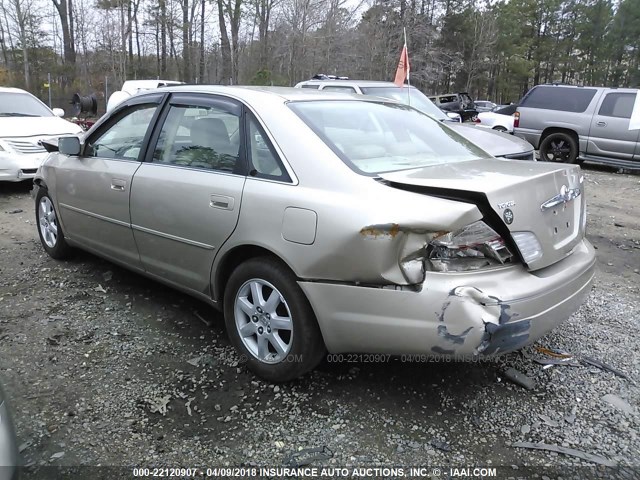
point(374, 137)
point(408, 95)
point(339, 88)
point(448, 98)
point(315, 87)
point(617, 105)
point(16, 104)
point(559, 98)
point(123, 139)
point(265, 163)
point(199, 137)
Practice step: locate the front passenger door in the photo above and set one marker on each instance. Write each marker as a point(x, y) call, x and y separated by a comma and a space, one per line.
point(186, 197)
point(93, 189)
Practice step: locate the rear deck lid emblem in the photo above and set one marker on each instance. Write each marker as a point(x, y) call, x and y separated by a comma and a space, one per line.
point(565, 196)
point(508, 216)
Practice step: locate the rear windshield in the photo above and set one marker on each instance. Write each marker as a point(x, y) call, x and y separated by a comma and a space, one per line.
point(574, 99)
point(375, 137)
point(508, 110)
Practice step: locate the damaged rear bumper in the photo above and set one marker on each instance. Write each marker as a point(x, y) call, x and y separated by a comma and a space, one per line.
point(463, 315)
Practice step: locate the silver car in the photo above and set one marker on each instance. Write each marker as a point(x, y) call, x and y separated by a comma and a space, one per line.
point(8, 444)
point(323, 222)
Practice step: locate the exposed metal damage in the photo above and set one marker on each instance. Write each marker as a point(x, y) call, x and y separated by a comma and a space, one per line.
point(495, 330)
point(404, 248)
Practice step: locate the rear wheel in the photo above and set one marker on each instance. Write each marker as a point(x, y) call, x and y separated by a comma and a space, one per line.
point(270, 321)
point(49, 228)
point(500, 128)
point(559, 147)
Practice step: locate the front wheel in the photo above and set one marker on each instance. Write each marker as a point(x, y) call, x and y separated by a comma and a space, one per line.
point(49, 228)
point(270, 321)
point(559, 147)
point(500, 128)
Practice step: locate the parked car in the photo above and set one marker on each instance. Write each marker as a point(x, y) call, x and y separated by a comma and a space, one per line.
point(574, 124)
point(8, 443)
point(460, 103)
point(24, 121)
point(498, 145)
point(484, 105)
point(500, 120)
point(320, 221)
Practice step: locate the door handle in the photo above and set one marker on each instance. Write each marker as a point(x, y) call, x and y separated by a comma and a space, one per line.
point(221, 201)
point(118, 185)
point(601, 124)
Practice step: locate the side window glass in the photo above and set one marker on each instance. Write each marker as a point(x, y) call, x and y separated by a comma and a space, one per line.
point(339, 88)
point(617, 105)
point(264, 160)
point(315, 87)
point(123, 140)
point(199, 137)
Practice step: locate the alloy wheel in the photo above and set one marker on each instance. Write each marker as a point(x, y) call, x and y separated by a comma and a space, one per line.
point(48, 222)
point(264, 321)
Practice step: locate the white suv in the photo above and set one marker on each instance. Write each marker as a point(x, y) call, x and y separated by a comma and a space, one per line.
point(24, 121)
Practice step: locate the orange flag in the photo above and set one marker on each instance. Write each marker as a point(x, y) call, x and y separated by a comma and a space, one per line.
point(402, 73)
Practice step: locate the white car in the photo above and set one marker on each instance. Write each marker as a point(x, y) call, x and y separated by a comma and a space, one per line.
point(24, 121)
point(501, 119)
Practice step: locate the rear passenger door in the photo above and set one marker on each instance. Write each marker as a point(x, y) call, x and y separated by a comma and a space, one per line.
point(609, 135)
point(186, 196)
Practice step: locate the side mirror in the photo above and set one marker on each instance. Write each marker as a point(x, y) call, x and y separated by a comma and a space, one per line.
point(58, 112)
point(69, 146)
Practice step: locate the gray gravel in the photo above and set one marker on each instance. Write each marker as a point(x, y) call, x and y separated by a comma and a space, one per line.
point(106, 367)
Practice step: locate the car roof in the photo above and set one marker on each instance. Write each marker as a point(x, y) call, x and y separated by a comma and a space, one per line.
point(250, 93)
point(12, 90)
point(359, 83)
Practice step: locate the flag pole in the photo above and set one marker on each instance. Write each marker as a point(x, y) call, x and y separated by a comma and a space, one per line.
point(409, 69)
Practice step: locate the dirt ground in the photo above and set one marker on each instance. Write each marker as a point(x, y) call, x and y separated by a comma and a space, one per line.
point(105, 367)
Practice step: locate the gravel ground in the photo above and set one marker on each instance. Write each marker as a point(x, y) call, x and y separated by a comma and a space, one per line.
point(105, 367)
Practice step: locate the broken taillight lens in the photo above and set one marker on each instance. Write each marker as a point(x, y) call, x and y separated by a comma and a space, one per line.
point(473, 247)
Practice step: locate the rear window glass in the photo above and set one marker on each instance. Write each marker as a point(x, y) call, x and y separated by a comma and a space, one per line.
point(374, 137)
point(448, 99)
point(508, 110)
point(618, 105)
point(559, 98)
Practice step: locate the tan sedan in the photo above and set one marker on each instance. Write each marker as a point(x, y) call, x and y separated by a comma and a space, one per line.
point(323, 222)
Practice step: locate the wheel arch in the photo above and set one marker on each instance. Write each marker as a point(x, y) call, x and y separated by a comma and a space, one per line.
point(231, 260)
point(551, 130)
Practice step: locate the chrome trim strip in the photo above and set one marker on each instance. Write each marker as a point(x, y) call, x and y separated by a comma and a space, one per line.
point(173, 237)
point(95, 215)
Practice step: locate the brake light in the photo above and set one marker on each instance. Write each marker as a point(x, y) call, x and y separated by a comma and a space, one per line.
point(516, 119)
point(476, 120)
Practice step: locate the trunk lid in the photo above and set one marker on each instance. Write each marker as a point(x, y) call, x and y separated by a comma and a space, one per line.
point(545, 199)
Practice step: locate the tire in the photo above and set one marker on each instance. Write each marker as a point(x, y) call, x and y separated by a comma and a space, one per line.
point(300, 342)
point(500, 128)
point(49, 228)
point(559, 147)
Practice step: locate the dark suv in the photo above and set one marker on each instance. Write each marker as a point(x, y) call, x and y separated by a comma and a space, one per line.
point(460, 103)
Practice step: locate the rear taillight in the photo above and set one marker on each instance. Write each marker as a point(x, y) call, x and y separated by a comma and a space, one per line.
point(476, 120)
point(516, 120)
